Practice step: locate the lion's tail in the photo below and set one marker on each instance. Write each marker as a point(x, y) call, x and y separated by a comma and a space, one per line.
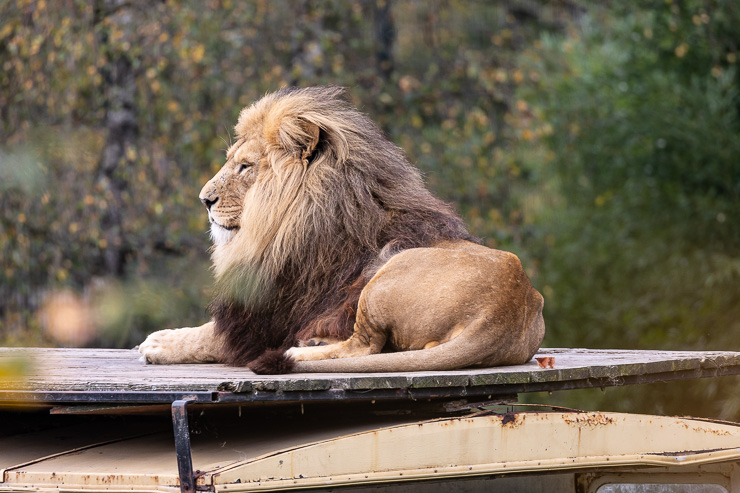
point(275, 362)
point(455, 354)
point(272, 362)
point(458, 353)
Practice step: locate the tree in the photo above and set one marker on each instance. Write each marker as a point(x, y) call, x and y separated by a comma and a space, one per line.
point(636, 114)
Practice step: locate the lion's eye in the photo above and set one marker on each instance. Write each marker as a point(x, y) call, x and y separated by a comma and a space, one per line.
point(243, 167)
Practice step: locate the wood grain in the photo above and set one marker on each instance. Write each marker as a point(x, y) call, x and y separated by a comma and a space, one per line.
point(113, 370)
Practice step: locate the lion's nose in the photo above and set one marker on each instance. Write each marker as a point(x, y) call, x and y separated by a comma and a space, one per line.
point(208, 202)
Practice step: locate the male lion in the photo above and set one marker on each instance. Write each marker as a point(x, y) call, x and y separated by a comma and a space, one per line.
point(324, 233)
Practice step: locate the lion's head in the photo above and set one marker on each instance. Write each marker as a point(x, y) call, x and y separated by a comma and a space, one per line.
point(311, 200)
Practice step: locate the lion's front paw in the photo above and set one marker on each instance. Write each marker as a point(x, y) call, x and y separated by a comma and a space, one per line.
point(187, 345)
point(163, 347)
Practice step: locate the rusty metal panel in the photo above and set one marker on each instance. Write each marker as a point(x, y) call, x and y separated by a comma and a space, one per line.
point(268, 456)
point(28, 447)
point(490, 444)
point(149, 462)
point(142, 462)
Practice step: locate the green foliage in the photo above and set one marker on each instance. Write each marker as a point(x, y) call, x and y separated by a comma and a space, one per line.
point(638, 115)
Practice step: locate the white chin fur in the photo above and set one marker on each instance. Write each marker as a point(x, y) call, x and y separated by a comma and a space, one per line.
point(221, 235)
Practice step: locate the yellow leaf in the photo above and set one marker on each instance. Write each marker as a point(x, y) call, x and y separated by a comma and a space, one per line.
point(6, 30)
point(198, 52)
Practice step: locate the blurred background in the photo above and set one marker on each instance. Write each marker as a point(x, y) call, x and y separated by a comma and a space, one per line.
point(600, 141)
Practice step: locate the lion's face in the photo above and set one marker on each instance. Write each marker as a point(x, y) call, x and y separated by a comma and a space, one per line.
point(224, 194)
point(252, 193)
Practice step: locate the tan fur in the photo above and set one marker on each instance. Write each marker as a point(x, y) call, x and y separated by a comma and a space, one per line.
point(186, 345)
point(309, 214)
point(453, 306)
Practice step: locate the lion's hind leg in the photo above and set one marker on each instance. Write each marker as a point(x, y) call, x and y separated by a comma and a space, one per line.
point(365, 340)
point(354, 346)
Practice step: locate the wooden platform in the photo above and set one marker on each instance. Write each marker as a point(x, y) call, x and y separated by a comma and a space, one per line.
point(117, 376)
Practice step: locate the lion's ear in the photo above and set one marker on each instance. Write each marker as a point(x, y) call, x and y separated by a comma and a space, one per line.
point(299, 137)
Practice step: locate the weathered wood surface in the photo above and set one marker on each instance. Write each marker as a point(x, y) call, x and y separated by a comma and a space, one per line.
point(117, 371)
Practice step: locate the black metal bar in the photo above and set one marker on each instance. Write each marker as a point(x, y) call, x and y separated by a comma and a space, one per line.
point(182, 445)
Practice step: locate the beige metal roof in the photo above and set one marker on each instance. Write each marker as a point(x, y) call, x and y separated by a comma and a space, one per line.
point(275, 455)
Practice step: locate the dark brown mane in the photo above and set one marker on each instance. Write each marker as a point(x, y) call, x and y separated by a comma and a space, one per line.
point(373, 205)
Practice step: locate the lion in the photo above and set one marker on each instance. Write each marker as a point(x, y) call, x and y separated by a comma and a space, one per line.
point(330, 255)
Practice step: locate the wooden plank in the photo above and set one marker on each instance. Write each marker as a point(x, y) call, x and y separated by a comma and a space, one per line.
point(111, 370)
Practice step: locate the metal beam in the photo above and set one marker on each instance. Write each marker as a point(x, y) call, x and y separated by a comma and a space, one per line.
point(182, 445)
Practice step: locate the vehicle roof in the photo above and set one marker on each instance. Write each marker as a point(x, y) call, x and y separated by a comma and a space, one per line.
point(332, 444)
point(246, 455)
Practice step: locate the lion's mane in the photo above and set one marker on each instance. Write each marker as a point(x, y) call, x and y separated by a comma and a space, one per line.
point(316, 225)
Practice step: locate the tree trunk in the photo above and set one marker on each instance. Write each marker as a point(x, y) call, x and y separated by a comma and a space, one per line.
point(121, 128)
point(307, 53)
point(385, 37)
